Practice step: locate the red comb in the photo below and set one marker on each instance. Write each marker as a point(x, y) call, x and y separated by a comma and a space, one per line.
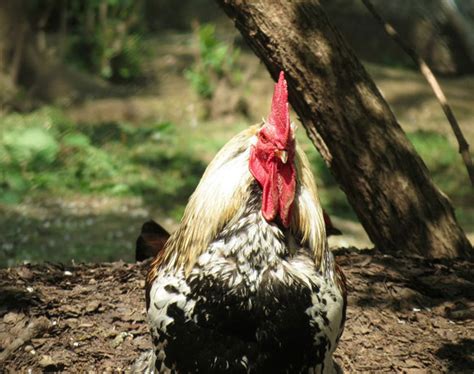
point(279, 115)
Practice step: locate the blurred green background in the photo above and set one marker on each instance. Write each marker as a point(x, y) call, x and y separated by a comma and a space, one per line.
point(110, 111)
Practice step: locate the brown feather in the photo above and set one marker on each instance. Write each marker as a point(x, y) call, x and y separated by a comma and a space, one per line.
point(151, 241)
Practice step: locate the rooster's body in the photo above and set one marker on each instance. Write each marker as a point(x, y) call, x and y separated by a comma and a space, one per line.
point(247, 284)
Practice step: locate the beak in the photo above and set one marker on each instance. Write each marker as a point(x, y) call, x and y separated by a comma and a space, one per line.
point(282, 155)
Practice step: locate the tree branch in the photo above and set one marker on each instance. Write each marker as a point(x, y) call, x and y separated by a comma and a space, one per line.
point(433, 82)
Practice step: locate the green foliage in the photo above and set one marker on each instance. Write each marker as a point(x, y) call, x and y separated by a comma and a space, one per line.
point(213, 53)
point(201, 82)
point(104, 37)
point(127, 64)
point(44, 152)
point(435, 149)
point(27, 146)
point(216, 60)
point(30, 148)
point(443, 161)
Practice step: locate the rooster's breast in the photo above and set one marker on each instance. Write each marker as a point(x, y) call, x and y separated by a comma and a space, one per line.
point(247, 306)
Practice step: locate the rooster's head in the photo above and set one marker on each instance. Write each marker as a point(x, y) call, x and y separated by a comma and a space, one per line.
point(272, 158)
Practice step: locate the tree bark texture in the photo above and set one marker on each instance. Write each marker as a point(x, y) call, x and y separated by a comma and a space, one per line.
point(352, 126)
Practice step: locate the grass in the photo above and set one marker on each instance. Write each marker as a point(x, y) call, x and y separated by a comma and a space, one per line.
point(44, 152)
point(448, 172)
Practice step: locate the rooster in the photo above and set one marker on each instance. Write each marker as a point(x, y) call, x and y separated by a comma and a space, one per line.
point(247, 284)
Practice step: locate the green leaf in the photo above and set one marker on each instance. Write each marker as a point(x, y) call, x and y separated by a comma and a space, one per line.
point(120, 189)
point(15, 181)
point(76, 140)
point(10, 197)
point(31, 145)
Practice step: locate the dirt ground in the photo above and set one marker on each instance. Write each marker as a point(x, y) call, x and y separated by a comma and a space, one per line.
point(406, 315)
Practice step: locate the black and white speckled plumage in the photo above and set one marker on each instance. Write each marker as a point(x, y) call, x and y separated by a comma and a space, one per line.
point(254, 302)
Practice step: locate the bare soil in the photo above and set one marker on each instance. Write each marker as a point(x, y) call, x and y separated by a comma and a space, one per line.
point(405, 315)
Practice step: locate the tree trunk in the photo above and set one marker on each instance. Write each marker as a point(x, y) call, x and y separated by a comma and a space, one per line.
point(12, 30)
point(12, 38)
point(352, 126)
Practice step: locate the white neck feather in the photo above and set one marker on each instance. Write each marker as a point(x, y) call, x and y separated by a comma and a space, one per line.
point(219, 197)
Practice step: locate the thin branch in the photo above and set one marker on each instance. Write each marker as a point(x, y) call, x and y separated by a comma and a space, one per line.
point(433, 82)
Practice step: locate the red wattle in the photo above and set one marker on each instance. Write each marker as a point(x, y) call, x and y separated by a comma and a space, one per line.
point(270, 196)
point(286, 187)
point(278, 182)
